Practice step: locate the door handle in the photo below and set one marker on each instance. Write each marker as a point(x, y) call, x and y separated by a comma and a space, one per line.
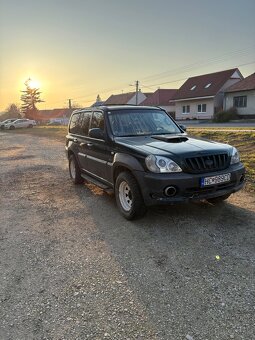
point(89, 145)
point(75, 140)
point(82, 144)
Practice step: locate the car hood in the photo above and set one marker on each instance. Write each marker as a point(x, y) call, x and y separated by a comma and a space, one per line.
point(171, 145)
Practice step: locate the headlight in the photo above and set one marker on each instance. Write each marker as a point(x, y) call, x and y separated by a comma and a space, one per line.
point(235, 158)
point(161, 164)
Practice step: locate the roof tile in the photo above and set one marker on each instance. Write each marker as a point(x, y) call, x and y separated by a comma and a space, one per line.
point(160, 97)
point(246, 84)
point(199, 86)
point(119, 99)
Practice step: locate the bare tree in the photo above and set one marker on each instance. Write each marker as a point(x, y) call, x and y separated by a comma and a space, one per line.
point(13, 110)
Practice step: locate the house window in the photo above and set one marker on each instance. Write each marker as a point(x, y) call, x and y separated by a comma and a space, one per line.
point(193, 88)
point(240, 101)
point(201, 108)
point(186, 109)
point(208, 85)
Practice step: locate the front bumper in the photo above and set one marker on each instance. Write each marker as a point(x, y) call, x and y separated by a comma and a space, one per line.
point(187, 185)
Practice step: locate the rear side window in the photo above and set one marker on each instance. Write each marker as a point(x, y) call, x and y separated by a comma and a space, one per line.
point(97, 120)
point(85, 123)
point(76, 124)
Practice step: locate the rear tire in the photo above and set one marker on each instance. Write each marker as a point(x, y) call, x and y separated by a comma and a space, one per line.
point(30, 126)
point(219, 199)
point(11, 127)
point(74, 170)
point(128, 196)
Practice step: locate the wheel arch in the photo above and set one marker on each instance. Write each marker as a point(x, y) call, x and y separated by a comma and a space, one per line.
point(123, 162)
point(118, 169)
point(70, 153)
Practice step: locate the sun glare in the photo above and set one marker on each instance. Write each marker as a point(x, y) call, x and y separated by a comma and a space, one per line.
point(33, 84)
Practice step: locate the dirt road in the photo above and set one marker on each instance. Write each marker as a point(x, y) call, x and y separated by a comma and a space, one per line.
point(72, 268)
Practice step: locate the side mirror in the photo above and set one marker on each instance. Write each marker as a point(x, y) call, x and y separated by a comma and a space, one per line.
point(183, 127)
point(96, 133)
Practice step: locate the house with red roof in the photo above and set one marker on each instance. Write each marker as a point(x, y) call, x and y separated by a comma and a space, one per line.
point(202, 96)
point(242, 96)
point(162, 98)
point(125, 98)
point(61, 115)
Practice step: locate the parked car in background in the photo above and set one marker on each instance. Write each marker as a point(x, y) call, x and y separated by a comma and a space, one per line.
point(147, 159)
point(58, 121)
point(53, 123)
point(20, 123)
point(6, 121)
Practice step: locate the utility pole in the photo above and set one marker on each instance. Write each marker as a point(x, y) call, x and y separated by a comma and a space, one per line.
point(70, 103)
point(136, 92)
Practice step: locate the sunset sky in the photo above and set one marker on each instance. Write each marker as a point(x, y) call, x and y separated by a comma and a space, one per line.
point(80, 48)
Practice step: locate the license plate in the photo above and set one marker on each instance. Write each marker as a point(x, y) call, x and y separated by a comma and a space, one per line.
point(206, 181)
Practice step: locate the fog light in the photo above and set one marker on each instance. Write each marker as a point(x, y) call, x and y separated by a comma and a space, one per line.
point(242, 178)
point(170, 191)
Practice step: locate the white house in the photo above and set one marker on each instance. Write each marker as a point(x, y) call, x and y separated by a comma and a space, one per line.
point(202, 96)
point(242, 96)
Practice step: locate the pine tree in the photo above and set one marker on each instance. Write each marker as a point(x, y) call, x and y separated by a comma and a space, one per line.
point(30, 97)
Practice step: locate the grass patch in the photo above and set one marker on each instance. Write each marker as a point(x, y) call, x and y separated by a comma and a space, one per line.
point(243, 141)
point(54, 132)
point(221, 128)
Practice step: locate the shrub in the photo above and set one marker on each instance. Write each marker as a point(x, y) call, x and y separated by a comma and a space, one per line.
point(226, 116)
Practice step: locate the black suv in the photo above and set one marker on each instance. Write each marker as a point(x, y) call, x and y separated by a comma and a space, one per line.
point(148, 159)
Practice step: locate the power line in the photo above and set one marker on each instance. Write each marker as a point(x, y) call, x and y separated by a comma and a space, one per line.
point(217, 59)
point(175, 81)
point(183, 69)
point(186, 68)
point(147, 86)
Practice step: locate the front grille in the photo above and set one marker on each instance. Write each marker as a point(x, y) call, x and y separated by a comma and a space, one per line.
point(208, 163)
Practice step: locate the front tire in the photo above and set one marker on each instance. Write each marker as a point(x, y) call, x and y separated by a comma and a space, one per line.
point(128, 196)
point(74, 170)
point(219, 199)
point(12, 127)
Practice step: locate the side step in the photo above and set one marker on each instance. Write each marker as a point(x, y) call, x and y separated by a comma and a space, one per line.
point(99, 184)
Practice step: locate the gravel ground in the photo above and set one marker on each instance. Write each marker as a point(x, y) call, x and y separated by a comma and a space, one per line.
point(72, 268)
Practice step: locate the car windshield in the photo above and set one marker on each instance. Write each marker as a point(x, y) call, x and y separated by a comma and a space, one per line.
point(141, 122)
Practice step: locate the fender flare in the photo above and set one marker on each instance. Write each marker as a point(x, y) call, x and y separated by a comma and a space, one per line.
point(126, 161)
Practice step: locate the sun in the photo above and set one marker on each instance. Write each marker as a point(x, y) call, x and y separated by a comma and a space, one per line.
point(33, 84)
